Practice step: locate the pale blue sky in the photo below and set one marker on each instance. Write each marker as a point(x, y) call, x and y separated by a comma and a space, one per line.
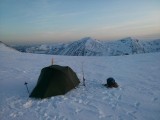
point(67, 20)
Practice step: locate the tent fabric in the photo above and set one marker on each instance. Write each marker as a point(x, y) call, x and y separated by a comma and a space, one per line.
point(55, 80)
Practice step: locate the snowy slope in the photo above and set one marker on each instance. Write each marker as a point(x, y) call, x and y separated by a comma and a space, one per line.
point(138, 96)
point(6, 48)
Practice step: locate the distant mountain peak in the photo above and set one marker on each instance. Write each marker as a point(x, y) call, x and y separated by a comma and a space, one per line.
point(86, 38)
point(128, 38)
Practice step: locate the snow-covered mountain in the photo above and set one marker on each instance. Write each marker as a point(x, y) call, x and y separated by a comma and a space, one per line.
point(84, 47)
point(152, 46)
point(125, 46)
point(92, 47)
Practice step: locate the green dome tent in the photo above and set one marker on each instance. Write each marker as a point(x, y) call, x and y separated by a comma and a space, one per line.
point(55, 80)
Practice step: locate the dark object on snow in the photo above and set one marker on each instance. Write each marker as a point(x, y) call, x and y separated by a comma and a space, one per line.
point(111, 83)
point(55, 80)
point(26, 87)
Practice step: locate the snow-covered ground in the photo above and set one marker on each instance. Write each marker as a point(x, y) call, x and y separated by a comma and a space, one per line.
point(137, 98)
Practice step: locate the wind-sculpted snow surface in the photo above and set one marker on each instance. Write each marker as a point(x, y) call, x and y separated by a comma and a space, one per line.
point(137, 98)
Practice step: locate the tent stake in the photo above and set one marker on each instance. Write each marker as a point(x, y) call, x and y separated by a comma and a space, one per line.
point(26, 87)
point(83, 76)
point(52, 61)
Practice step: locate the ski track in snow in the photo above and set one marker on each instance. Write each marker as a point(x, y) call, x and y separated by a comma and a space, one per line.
point(137, 76)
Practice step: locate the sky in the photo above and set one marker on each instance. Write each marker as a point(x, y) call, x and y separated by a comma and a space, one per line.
point(29, 21)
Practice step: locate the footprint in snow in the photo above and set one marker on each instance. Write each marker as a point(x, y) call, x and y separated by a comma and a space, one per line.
point(13, 115)
point(137, 104)
point(101, 114)
point(132, 114)
point(110, 117)
point(60, 118)
point(78, 110)
point(105, 98)
point(16, 114)
point(154, 99)
point(119, 97)
point(47, 117)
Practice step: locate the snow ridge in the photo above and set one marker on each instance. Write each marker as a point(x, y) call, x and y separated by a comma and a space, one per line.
point(6, 48)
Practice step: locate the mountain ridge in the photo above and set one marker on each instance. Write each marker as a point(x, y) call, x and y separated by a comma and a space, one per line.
point(7, 48)
point(92, 47)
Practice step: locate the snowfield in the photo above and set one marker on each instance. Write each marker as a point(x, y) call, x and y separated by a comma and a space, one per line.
point(137, 98)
